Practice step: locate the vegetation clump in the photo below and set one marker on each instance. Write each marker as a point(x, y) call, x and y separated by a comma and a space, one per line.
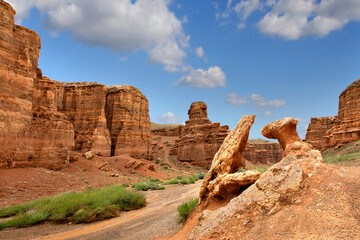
point(185, 209)
point(153, 184)
point(73, 207)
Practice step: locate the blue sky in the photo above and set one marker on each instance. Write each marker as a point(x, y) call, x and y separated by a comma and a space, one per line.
point(272, 58)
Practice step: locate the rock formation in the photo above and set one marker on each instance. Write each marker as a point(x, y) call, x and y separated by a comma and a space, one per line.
point(127, 113)
point(42, 120)
point(263, 152)
point(285, 201)
point(328, 132)
point(317, 131)
point(222, 179)
point(200, 138)
point(167, 130)
point(32, 132)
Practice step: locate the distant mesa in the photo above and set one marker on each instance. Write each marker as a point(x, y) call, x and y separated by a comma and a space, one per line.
point(332, 132)
point(42, 120)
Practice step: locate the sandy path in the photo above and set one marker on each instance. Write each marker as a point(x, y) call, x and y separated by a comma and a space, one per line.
point(157, 219)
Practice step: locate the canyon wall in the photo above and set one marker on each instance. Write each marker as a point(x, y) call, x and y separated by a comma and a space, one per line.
point(200, 139)
point(42, 120)
point(329, 132)
point(32, 132)
point(263, 152)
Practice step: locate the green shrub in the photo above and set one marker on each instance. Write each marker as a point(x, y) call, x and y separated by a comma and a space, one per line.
point(125, 185)
point(184, 181)
point(192, 180)
point(171, 181)
point(144, 186)
point(185, 209)
point(168, 145)
point(88, 206)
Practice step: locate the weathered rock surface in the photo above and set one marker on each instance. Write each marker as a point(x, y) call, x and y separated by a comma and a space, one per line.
point(167, 130)
point(286, 200)
point(42, 120)
point(200, 138)
point(32, 132)
point(84, 105)
point(227, 161)
point(263, 152)
point(127, 114)
point(337, 131)
point(318, 131)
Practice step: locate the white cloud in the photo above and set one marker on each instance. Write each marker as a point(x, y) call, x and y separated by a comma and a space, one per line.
point(185, 19)
point(259, 101)
point(235, 99)
point(119, 25)
point(199, 52)
point(267, 114)
point(293, 19)
point(200, 78)
point(245, 8)
point(169, 118)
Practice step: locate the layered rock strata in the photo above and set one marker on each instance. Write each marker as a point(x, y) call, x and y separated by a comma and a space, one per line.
point(318, 131)
point(167, 130)
point(329, 132)
point(42, 120)
point(32, 132)
point(263, 152)
point(200, 138)
point(222, 179)
point(127, 114)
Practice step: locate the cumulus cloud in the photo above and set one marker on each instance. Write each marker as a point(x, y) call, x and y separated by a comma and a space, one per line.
point(235, 99)
point(169, 118)
point(260, 101)
point(199, 52)
point(119, 25)
point(267, 114)
point(200, 78)
point(293, 19)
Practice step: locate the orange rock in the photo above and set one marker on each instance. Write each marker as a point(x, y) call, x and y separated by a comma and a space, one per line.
point(339, 130)
point(227, 160)
point(200, 138)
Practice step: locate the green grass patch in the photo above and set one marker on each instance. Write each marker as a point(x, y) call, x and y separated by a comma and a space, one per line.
point(349, 152)
point(185, 209)
point(343, 158)
point(146, 185)
point(85, 207)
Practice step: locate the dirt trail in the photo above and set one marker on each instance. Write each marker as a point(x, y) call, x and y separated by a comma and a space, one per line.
point(157, 219)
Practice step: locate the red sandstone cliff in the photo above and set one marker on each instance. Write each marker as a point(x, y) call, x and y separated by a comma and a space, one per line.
point(264, 152)
point(328, 132)
point(32, 133)
point(127, 113)
point(168, 130)
point(42, 120)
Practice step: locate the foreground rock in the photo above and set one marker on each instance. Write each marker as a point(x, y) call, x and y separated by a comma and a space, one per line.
point(222, 179)
point(297, 198)
point(42, 120)
point(200, 138)
point(329, 132)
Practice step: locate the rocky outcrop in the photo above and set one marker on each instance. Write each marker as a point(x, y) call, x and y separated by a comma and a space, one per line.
point(263, 152)
point(329, 132)
point(318, 131)
point(84, 105)
point(299, 189)
point(200, 138)
point(127, 114)
point(32, 132)
point(222, 179)
point(42, 120)
point(167, 130)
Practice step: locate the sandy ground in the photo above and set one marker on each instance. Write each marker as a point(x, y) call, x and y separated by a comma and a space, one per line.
point(157, 219)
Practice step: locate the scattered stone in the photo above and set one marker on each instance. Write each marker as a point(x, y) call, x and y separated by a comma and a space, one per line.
point(89, 155)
